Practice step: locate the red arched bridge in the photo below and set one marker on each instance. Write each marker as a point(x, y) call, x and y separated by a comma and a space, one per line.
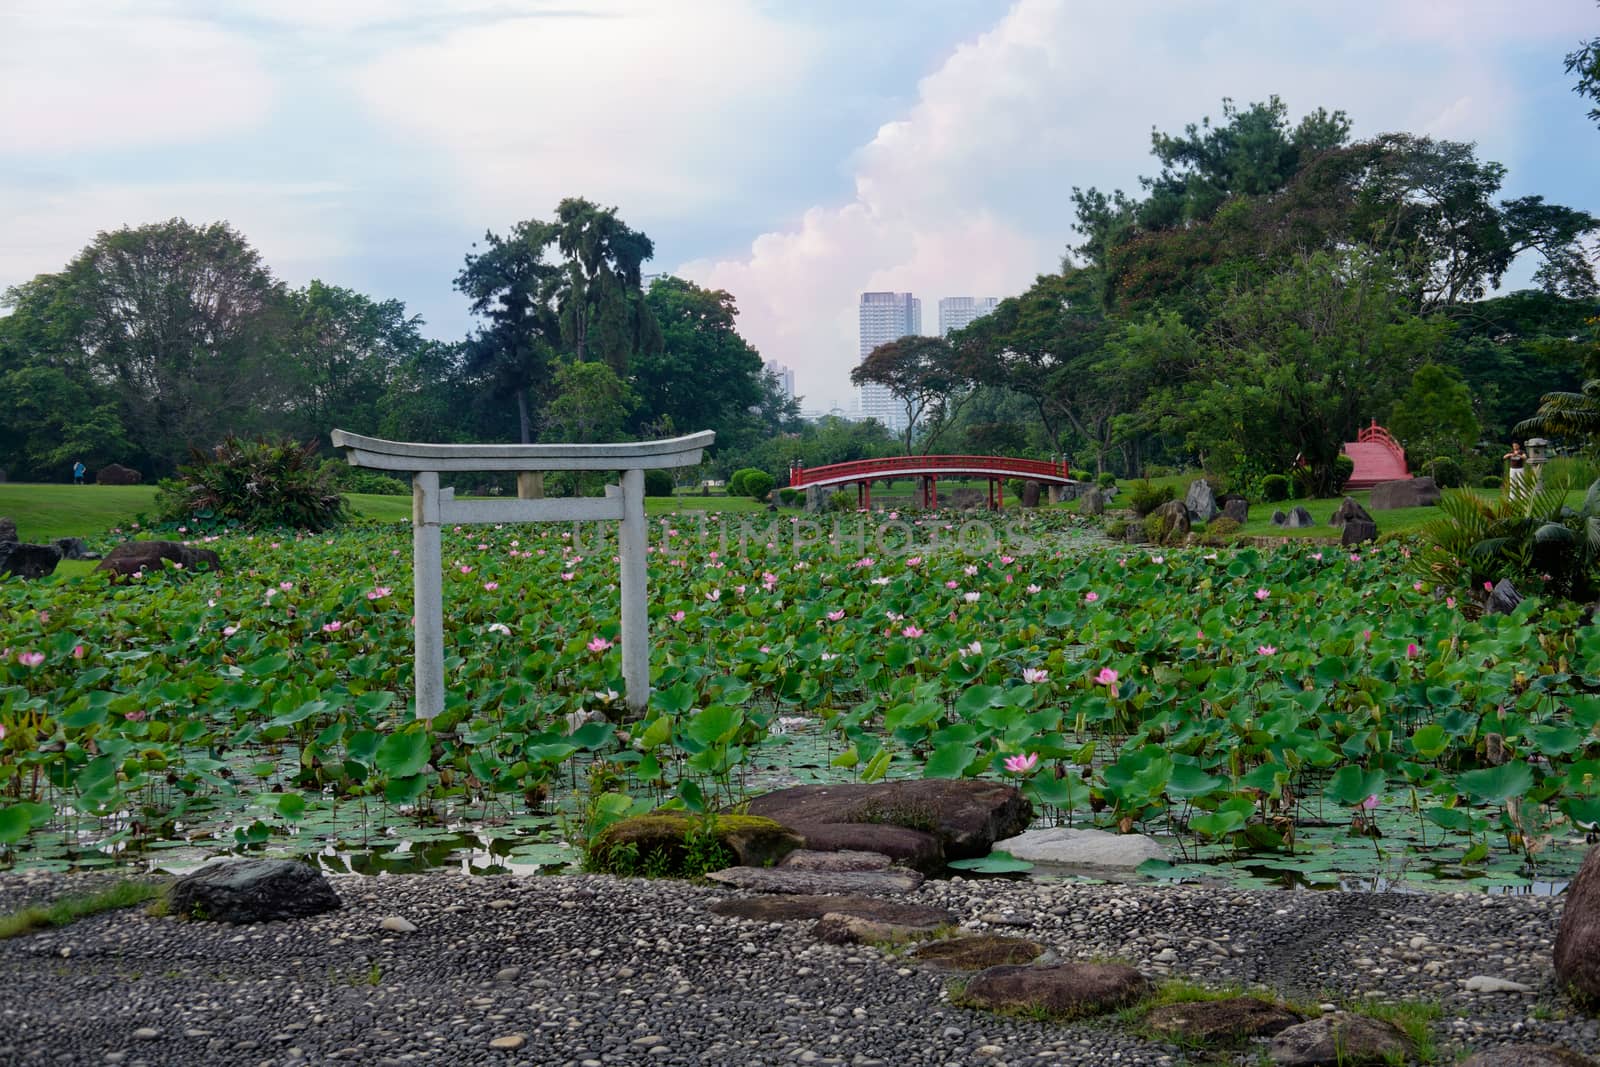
point(928, 470)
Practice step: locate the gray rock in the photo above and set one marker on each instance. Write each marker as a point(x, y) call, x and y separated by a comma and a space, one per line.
point(917, 849)
point(1488, 983)
point(1404, 493)
point(1358, 531)
point(1503, 598)
point(1030, 493)
point(1348, 509)
point(8, 529)
point(132, 556)
point(1173, 516)
point(397, 924)
point(234, 890)
point(842, 928)
point(1345, 1040)
point(1082, 848)
point(811, 883)
point(74, 548)
point(1200, 501)
point(1279, 518)
point(977, 952)
point(1300, 519)
point(801, 907)
point(22, 560)
point(1092, 503)
point(1237, 508)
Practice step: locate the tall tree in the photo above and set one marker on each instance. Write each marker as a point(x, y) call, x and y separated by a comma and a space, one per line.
point(1435, 416)
point(922, 374)
point(183, 323)
point(599, 297)
point(346, 348)
point(705, 376)
point(591, 405)
point(509, 285)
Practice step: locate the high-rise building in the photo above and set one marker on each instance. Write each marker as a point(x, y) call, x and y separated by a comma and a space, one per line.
point(958, 311)
point(885, 317)
point(785, 376)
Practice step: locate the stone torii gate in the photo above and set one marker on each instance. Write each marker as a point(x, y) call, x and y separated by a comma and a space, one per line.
point(432, 507)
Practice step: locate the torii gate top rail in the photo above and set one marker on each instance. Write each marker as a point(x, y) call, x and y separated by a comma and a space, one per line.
point(432, 506)
point(903, 466)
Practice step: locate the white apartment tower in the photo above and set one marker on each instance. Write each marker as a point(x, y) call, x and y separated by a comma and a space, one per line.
point(785, 376)
point(958, 311)
point(885, 317)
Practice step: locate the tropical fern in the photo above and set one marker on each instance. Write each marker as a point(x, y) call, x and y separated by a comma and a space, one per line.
point(1527, 534)
point(1565, 414)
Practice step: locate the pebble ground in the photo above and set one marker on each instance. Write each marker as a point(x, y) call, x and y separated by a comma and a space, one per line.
point(591, 971)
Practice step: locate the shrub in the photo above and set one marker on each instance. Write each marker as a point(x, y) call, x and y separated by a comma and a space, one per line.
point(1220, 530)
point(1117, 529)
point(1146, 498)
point(739, 484)
point(1274, 487)
point(1016, 485)
point(1343, 468)
point(657, 483)
point(1447, 473)
point(841, 500)
point(790, 497)
point(357, 480)
point(758, 484)
point(1081, 476)
point(254, 484)
point(1106, 480)
point(1491, 481)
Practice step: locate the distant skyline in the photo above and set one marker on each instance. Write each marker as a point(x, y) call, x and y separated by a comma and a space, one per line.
point(793, 154)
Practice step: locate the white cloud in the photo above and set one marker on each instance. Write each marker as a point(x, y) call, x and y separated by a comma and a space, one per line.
point(659, 107)
point(81, 76)
point(967, 192)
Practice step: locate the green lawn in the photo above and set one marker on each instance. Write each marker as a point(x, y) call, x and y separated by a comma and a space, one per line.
point(45, 512)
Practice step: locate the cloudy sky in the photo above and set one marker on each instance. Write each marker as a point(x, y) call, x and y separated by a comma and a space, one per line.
point(794, 152)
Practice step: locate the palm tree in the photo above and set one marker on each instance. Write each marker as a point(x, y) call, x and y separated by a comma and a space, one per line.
point(1566, 415)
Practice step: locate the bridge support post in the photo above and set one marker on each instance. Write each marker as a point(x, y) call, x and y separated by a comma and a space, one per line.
point(1055, 493)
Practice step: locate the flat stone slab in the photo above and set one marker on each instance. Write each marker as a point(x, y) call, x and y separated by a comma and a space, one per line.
point(789, 880)
point(839, 928)
point(1221, 1022)
point(1060, 990)
point(794, 908)
point(1528, 1056)
point(910, 848)
point(1082, 848)
point(806, 859)
point(966, 815)
point(1342, 1040)
point(977, 952)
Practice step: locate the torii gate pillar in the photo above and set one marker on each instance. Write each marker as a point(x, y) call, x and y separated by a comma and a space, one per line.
point(432, 507)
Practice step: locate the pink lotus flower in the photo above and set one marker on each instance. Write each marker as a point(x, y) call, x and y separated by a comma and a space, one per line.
point(1411, 651)
point(952, 584)
point(971, 598)
point(1449, 601)
point(379, 593)
point(1370, 803)
point(286, 586)
point(77, 651)
point(332, 627)
point(1090, 597)
point(490, 587)
point(913, 561)
point(1035, 675)
point(911, 631)
point(974, 649)
point(134, 716)
point(499, 628)
point(1032, 589)
point(676, 616)
point(1355, 557)
point(2, 731)
point(598, 644)
point(714, 596)
point(1006, 561)
point(1416, 587)
point(229, 631)
point(1488, 587)
point(1107, 676)
point(1267, 650)
point(1158, 559)
point(969, 570)
point(482, 547)
point(1022, 764)
point(1317, 556)
point(1262, 594)
point(835, 616)
point(30, 659)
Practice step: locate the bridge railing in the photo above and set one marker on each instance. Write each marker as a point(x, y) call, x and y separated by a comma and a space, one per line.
point(1377, 435)
point(889, 466)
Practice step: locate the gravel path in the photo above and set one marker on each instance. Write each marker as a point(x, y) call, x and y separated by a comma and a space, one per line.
point(587, 971)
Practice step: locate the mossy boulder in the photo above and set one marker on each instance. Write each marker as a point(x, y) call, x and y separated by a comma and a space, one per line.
point(671, 844)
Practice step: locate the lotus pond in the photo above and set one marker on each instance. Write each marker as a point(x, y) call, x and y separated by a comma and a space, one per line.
point(1300, 716)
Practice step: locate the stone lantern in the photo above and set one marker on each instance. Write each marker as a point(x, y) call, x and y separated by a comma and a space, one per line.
point(1538, 453)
